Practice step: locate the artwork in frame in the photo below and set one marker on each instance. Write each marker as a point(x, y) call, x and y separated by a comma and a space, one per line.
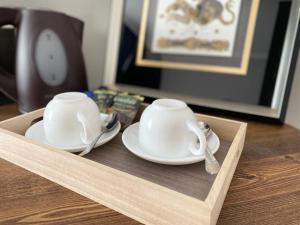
point(206, 35)
point(266, 45)
point(192, 28)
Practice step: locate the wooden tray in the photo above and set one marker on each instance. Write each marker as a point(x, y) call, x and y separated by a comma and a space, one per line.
point(147, 192)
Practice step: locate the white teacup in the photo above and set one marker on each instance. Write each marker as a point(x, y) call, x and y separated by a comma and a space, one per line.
point(168, 128)
point(71, 119)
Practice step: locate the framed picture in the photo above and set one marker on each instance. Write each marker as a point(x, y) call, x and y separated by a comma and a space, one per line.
point(173, 30)
point(228, 56)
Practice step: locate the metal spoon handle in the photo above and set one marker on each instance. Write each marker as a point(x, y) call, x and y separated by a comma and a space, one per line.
point(112, 124)
point(91, 145)
point(212, 166)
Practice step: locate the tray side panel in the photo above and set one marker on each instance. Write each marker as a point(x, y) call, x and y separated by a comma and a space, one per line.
point(137, 198)
point(20, 123)
point(225, 128)
point(216, 197)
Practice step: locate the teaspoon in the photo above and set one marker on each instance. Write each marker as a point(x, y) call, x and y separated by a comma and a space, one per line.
point(212, 165)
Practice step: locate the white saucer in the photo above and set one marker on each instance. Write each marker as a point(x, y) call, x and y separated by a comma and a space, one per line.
point(131, 141)
point(36, 132)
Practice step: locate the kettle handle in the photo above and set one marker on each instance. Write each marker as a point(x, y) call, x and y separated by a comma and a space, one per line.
point(7, 80)
point(9, 16)
point(8, 85)
point(78, 27)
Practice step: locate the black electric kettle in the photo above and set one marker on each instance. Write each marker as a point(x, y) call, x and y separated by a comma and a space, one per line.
point(49, 57)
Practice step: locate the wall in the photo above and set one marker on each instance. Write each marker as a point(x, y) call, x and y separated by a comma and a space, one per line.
point(293, 113)
point(95, 14)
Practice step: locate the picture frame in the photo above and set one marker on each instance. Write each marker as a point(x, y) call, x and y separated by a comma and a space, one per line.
point(277, 104)
point(240, 69)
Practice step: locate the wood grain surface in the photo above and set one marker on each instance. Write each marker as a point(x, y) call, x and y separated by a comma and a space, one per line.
point(265, 188)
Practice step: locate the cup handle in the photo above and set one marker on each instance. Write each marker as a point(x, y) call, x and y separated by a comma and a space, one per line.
point(86, 135)
point(194, 127)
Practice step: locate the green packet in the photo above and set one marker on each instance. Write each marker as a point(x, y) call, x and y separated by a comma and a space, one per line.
point(125, 104)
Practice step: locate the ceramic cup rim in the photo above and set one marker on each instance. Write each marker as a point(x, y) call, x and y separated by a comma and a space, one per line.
point(169, 104)
point(70, 97)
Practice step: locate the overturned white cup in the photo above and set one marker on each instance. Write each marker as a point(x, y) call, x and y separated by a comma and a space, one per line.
point(168, 128)
point(71, 119)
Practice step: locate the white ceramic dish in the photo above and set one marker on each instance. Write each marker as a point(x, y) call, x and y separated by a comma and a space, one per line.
point(36, 132)
point(131, 141)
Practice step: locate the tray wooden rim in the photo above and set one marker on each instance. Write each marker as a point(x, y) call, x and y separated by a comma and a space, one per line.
point(19, 150)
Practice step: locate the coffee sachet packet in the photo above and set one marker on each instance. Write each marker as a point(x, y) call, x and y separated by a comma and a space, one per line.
point(125, 104)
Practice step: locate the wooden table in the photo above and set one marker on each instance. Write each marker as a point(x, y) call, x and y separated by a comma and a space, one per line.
point(265, 188)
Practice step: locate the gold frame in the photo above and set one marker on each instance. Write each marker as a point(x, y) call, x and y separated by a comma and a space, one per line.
point(242, 70)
